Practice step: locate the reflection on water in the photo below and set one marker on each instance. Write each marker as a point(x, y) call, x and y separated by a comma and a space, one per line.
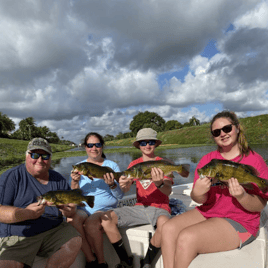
point(190, 156)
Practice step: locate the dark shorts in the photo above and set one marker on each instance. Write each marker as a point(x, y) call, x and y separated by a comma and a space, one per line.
point(244, 235)
point(24, 249)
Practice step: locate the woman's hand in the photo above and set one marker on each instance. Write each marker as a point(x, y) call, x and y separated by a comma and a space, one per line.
point(109, 179)
point(235, 189)
point(68, 210)
point(75, 176)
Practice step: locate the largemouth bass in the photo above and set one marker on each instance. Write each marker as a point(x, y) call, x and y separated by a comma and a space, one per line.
point(141, 171)
point(223, 170)
point(94, 171)
point(62, 197)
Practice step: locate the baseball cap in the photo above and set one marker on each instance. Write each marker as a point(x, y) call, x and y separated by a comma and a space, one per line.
point(39, 143)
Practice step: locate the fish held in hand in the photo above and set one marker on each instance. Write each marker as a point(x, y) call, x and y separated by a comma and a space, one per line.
point(223, 170)
point(95, 171)
point(62, 197)
point(143, 170)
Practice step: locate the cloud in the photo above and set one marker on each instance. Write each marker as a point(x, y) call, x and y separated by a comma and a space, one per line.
point(80, 66)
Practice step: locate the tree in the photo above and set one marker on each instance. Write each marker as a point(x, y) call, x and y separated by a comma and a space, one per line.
point(108, 137)
point(147, 119)
point(6, 125)
point(28, 128)
point(194, 122)
point(172, 124)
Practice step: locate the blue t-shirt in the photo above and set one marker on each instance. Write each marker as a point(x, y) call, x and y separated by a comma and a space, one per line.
point(19, 188)
point(105, 198)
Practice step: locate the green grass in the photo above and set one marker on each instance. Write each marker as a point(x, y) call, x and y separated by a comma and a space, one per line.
point(12, 152)
point(256, 130)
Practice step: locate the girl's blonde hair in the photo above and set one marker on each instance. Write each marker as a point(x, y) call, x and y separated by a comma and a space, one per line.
point(241, 139)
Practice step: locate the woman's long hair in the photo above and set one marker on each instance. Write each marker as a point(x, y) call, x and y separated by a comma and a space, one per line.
point(97, 135)
point(241, 139)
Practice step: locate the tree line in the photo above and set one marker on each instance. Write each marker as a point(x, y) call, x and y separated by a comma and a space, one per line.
point(151, 120)
point(27, 130)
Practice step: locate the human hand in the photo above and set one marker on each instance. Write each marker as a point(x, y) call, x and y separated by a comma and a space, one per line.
point(235, 189)
point(202, 185)
point(67, 210)
point(125, 183)
point(157, 176)
point(75, 176)
point(109, 179)
point(34, 210)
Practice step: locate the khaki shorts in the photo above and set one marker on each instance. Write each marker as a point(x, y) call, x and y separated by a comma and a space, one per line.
point(24, 249)
point(139, 215)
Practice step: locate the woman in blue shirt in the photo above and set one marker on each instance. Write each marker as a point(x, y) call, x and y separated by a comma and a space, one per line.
point(106, 192)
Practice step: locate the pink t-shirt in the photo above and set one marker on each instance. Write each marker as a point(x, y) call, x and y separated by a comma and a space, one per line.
point(147, 192)
point(222, 205)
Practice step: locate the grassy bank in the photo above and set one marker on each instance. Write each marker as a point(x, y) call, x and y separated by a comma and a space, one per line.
point(12, 152)
point(256, 129)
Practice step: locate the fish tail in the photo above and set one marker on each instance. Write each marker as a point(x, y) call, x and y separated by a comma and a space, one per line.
point(90, 200)
point(185, 170)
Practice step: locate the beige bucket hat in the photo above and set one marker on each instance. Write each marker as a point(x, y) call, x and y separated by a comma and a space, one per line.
point(146, 134)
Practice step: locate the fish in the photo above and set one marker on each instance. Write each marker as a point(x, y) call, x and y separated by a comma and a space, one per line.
point(62, 197)
point(223, 170)
point(94, 171)
point(141, 170)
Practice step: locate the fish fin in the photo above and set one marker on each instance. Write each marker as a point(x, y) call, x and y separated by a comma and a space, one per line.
point(78, 191)
point(90, 200)
point(248, 186)
point(81, 204)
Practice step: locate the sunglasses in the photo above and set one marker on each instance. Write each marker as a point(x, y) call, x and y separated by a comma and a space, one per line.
point(36, 156)
point(144, 143)
point(225, 129)
point(98, 145)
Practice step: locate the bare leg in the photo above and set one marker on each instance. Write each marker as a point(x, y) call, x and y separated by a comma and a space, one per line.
point(156, 239)
point(109, 222)
point(78, 223)
point(171, 230)
point(94, 234)
point(65, 256)
point(11, 264)
point(212, 235)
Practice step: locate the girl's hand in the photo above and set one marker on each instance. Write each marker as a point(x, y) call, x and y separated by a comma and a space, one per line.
point(202, 185)
point(235, 189)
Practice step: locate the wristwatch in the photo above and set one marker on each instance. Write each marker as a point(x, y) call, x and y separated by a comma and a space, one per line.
point(160, 186)
point(113, 186)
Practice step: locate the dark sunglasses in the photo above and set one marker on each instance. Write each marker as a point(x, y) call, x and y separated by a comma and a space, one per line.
point(144, 143)
point(36, 156)
point(98, 145)
point(225, 129)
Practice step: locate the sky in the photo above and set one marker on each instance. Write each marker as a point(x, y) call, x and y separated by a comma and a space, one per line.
point(78, 66)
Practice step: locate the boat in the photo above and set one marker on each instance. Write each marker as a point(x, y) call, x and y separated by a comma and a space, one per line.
point(137, 239)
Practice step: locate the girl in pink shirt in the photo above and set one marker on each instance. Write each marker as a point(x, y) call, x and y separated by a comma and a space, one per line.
point(229, 217)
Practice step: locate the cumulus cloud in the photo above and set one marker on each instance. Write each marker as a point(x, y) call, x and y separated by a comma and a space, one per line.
point(80, 66)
